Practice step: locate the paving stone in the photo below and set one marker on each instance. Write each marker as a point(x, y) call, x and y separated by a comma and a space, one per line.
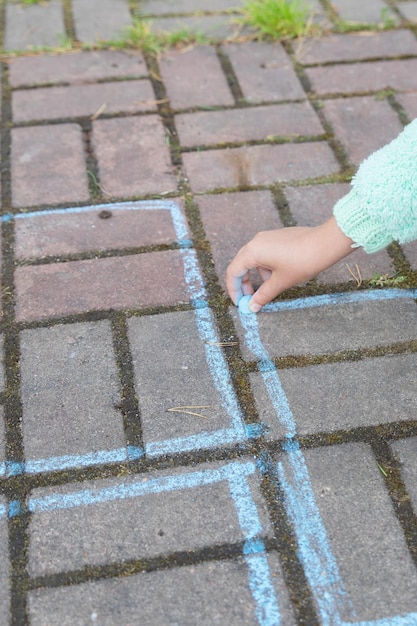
point(34, 25)
point(169, 515)
point(51, 103)
point(373, 76)
point(264, 72)
point(100, 20)
point(208, 593)
point(258, 165)
point(356, 46)
point(340, 396)
point(4, 568)
point(254, 123)
point(213, 27)
point(335, 328)
point(409, 102)
point(312, 205)
point(362, 125)
point(76, 67)
point(405, 450)
point(371, 554)
point(78, 286)
point(181, 73)
point(231, 219)
point(74, 232)
point(70, 391)
point(371, 12)
point(408, 10)
point(172, 370)
point(168, 7)
point(48, 165)
point(133, 156)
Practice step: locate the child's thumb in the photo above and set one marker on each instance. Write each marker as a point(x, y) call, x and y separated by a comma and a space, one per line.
point(265, 294)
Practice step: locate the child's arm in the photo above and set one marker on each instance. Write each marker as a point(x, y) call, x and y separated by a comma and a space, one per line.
point(284, 258)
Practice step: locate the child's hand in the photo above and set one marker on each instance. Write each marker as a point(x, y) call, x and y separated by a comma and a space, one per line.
point(285, 258)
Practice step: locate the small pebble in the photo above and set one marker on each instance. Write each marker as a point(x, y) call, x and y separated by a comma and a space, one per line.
point(243, 304)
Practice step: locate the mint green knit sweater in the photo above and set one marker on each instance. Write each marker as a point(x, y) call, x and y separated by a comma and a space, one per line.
point(382, 205)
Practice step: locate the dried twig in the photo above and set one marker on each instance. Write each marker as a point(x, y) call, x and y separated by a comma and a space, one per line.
point(222, 343)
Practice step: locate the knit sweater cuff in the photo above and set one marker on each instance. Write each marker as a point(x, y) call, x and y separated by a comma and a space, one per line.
point(356, 223)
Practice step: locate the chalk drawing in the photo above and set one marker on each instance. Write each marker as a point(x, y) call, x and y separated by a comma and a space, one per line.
point(314, 549)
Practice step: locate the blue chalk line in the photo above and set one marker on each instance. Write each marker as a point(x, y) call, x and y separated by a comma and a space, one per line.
point(315, 553)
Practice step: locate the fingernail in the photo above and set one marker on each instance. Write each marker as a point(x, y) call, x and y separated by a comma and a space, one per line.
point(254, 307)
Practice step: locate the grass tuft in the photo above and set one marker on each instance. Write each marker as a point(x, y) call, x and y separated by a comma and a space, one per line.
point(277, 19)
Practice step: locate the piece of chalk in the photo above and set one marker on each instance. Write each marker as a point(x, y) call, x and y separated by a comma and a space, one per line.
point(243, 304)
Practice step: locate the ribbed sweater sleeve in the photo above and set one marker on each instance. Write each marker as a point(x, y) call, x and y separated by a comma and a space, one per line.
point(382, 204)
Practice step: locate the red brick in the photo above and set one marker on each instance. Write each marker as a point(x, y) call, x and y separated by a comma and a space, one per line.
point(182, 75)
point(48, 165)
point(357, 46)
point(41, 235)
point(258, 165)
point(133, 156)
point(82, 100)
point(313, 205)
point(264, 72)
point(353, 77)
point(75, 67)
point(231, 219)
point(257, 123)
point(362, 125)
point(143, 280)
point(409, 102)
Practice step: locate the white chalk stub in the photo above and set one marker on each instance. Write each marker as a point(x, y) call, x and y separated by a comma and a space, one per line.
point(243, 304)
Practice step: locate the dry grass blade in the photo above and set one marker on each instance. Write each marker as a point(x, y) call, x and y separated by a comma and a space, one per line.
point(222, 343)
point(99, 111)
point(186, 409)
point(358, 276)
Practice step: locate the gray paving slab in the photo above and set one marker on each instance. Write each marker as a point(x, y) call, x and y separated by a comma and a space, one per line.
point(166, 516)
point(168, 7)
point(169, 348)
point(100, 20)
point(408, 10)
point(34, 26)
point(208, 593)
point(210, 27)
point(373, 12)
point(340, 396)
point(334, 328)
point(2, 437)
point(70, 391)
point(371, 555)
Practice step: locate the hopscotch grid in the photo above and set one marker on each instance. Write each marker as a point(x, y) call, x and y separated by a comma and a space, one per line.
point(237, 431)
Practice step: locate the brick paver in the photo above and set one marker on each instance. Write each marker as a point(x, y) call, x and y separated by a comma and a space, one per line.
point(133, 156)
point(48, 165)
point(61, 415)
point(79, 286)
point(375, 76)
point(215, 127)
point(357, 47)
point(82, 101)
point(34, 25)
point(258, 165)
point(181, 72)
point(76, 67)
point(97, 20)
point(265, 72)
point(164, 458)
point(362, 125)
point(126, 226)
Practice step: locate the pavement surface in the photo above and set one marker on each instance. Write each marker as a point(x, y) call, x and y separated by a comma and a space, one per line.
point(165, 460)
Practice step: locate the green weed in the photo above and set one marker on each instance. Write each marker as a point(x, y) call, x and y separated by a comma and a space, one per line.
point(277, 19)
